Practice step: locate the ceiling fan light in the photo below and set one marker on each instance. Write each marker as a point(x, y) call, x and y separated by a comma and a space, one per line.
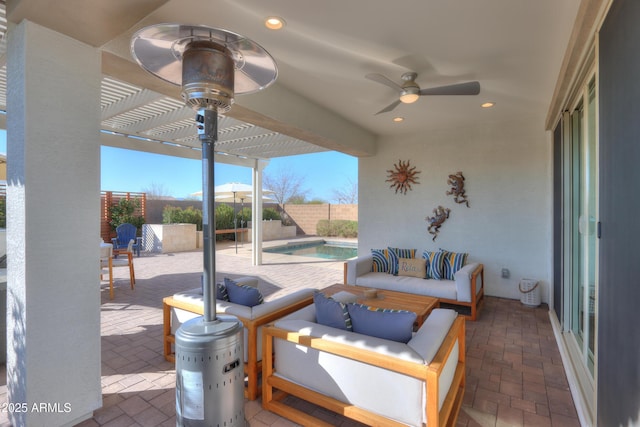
point(409, 98)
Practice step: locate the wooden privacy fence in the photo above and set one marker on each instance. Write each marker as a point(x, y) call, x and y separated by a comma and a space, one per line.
point(111, 198)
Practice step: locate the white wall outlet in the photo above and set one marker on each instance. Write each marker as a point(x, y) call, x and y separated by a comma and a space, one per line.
point(505, 273)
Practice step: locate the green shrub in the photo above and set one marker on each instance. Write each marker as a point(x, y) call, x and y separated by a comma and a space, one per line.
point(176, 215)
point(270, 214)
point(267, 214)
point(170, 214)
point(224, 217)
point(244, 216)
point(337, 228)
point(123, 212)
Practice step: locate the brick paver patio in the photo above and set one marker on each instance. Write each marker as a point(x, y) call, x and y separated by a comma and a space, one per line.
point(515, 375)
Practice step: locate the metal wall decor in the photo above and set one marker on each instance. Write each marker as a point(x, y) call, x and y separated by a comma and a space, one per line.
point(440, 215)
point(456, 181)
point(402, 177)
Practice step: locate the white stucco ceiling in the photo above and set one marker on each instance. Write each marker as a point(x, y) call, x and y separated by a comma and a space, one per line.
point(514, 48)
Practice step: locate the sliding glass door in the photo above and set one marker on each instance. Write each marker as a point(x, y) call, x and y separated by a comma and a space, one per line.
point(582, 286)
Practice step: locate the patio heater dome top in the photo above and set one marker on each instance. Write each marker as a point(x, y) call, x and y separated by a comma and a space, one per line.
point(210, 64)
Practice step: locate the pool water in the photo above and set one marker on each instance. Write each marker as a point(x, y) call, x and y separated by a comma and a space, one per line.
point(318, 249)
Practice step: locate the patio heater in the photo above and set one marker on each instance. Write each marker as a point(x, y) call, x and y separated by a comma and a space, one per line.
point(211, 65)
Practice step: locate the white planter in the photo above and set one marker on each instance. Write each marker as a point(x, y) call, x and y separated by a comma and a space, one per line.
point(164, 238)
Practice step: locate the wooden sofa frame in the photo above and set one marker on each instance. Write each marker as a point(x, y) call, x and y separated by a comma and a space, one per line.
point(275, 389)
point(253, 367)
point(477, 295)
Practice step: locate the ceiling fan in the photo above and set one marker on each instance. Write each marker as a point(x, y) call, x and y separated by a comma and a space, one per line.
point(409, 90)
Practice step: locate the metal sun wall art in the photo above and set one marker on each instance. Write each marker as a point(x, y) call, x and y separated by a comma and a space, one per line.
point(402, 177)
point(456, 181)
point(440, 215)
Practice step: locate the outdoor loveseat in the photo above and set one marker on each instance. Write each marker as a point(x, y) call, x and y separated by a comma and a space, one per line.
point(372, 380)
point(463, 288)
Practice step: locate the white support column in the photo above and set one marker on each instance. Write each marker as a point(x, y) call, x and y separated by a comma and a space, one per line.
point(53, 211)
point(256, 209)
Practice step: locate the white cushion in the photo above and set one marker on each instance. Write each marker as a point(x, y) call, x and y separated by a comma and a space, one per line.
point(413, 285)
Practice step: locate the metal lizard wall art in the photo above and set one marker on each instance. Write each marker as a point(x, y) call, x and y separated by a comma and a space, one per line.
point(456, 181)
point(435, 222)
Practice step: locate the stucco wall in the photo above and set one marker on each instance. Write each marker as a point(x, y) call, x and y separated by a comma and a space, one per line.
point(508, 183)
point(167, 238)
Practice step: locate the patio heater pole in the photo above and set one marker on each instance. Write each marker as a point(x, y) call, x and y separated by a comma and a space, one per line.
point(207, 132)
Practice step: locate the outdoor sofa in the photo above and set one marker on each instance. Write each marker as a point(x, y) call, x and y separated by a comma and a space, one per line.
point(372, 380)
point(187, 305)
point(465, 288)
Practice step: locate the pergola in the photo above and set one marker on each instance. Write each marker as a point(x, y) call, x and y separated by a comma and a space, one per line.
point(133, 117)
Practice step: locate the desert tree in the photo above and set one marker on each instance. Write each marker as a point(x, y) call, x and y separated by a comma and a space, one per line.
point(287, 187)
point(156, 191)
point(347, 194)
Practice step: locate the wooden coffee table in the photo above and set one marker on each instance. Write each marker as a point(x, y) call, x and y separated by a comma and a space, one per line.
point(419, 304)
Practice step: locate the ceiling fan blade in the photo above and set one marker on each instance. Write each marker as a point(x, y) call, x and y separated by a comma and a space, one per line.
point(388, 108)
point(469, 88)
point(379, 78)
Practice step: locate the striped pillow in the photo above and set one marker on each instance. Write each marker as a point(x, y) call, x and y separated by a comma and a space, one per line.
point(395, 254)
point(381, 261)
point(221, 292)
point(453, 262)
point(435, 267)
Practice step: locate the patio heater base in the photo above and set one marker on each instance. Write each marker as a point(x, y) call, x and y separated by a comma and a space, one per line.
point(210, 373)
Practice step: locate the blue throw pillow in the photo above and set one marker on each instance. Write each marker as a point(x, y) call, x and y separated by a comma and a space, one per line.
point(453, 262)
point(380, 260)
point(330, 312)
point(243, 294)
point(395, 325)
point(394, 256)
point(435, 264)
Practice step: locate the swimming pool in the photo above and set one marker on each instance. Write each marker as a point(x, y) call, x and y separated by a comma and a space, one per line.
point(318, 249)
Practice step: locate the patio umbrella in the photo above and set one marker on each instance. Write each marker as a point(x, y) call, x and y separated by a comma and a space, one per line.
point(232, 191)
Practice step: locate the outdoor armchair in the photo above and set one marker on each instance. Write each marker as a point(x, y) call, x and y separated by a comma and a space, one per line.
point(108, 262)
point(125, 232)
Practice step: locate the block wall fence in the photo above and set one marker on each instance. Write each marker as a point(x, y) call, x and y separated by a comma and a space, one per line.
point(305, 217)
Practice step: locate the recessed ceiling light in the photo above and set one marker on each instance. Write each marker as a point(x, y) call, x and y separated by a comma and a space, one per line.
point(398, 119)
point(488, 104)
point(274, 23)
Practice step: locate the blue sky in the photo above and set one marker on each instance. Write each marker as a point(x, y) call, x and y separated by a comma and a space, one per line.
point(322, 173)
